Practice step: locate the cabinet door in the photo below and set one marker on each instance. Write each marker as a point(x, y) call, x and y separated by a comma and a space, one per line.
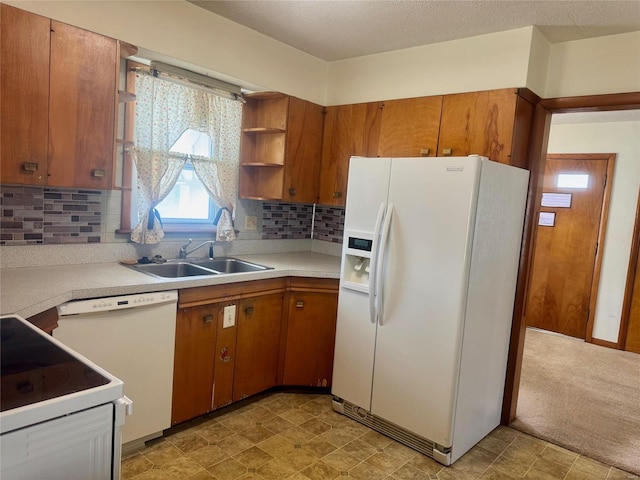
point(348, 130)
point(81, 108)
point(479, 123)
point(24, 96)
point(303, 152)
point(225, 356)
point(410, 127)
point(258, 345)
point(193, 362)
point(311, 333)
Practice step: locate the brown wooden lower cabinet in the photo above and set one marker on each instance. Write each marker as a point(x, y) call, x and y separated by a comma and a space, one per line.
point(257, 345)
point(193, 362)
point(311, 334)
point(217, 363)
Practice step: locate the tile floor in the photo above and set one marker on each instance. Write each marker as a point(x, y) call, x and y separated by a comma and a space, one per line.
point(298, 437)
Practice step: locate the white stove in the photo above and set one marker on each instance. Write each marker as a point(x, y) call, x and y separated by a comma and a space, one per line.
point(61, 416)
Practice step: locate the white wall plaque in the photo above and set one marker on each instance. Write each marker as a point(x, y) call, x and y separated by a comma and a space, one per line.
point(556, 200)
point(547, 219)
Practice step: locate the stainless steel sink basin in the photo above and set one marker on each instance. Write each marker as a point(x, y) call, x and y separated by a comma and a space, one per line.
point(173, 269)
point(230, 265)
point(198, 267)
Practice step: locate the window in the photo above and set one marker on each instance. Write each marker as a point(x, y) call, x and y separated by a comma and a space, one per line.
point(186, 149)
point(188, 202)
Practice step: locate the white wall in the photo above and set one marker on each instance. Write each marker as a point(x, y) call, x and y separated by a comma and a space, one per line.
point(623, 139)
point(183, 31)
point(514, 58)
point(497, 60)
point(594, 66)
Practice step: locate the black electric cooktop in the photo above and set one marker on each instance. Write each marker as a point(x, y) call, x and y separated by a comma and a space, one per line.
point(33, 368)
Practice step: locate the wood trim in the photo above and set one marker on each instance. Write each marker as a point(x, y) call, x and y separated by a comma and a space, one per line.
point(632, 276)
point(537, 159)
point(536, 162)
point(314, 285)
point(604, 343)
point(593, 103)
point(46, 321)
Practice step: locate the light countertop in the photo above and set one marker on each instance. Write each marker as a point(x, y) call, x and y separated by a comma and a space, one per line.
point(30, 290)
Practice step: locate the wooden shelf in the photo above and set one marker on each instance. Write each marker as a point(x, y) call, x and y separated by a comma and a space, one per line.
point(126, 49)
point(265, 95)
point(261, 164)
point(263, 130)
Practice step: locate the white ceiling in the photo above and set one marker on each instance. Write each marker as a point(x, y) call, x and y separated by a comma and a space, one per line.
point(338, 29)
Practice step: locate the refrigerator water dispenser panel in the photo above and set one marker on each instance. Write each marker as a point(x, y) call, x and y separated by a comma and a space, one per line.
point(357, 261)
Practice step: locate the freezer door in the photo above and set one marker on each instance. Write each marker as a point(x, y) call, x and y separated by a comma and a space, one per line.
point(355, 333)
point(425, 278)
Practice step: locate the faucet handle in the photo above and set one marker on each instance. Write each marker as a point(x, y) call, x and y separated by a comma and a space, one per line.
point(183, 248)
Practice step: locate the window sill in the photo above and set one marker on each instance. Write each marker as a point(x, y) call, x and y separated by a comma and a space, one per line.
point(181, 229)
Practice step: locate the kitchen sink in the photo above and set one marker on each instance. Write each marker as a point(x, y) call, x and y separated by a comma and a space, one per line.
point(198, 267)
point(173, 269)
point(230, 265)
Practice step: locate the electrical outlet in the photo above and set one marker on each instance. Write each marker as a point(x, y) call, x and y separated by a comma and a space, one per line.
point(229, 319)
point(250, 222)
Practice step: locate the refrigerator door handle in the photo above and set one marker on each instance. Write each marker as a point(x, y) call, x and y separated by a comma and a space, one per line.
point(380, 263)
point(373, 314)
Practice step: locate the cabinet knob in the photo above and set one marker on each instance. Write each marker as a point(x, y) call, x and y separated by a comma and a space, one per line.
point(425, 152)
point(337, 194)
point(207, 318)
point(248, 310)
point(98, 172)
point(299, 303)
point(292, 192)
point(30, 166)
point(446, 152)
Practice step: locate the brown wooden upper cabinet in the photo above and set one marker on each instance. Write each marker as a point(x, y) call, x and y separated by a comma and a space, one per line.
point(348, 130)
point(492, 123)
point(58, 99)
point(410, 127)
point(281, 148)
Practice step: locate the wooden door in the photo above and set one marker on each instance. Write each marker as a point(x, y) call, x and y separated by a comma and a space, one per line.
point(24, 96)
point(81, 108)
point(630, 321)
point(479, 123)
point(303, 151)
point(193, 362)
point(632, 343)
point(348, 130)
point(564, 274)
point(258, 345)
point(311, 333)
point(225, 359)
point(410, 127)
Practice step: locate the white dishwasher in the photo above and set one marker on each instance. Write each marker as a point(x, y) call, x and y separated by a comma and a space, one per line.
point(131, 336)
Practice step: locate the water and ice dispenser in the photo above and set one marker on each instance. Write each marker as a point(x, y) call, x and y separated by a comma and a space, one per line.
point(356, 262)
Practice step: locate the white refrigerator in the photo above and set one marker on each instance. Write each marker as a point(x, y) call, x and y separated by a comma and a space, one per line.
point(429, 265)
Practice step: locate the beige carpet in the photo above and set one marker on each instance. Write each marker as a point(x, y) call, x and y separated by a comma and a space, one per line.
point(581, 396)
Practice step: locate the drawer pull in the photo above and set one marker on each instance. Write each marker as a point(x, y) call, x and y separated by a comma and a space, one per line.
point(425, 152)
point(299, 303)
point(292, 192)
point(98, 173)
point(30, 166)
point(208, 318)
point(337, 194)
point(446, 152)
point(248, 310)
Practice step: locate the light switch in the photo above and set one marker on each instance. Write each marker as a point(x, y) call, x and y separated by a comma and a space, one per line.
point(250, 222)
point(229, 319)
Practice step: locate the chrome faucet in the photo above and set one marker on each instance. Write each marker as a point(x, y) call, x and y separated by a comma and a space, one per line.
point(184, 252)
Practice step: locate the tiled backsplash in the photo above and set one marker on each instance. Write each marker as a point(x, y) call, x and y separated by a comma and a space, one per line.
point(45, 215)
point(328, 224)
point(285, 220)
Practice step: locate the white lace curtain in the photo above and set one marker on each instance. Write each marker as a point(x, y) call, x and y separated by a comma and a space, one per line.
point(164, 110)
